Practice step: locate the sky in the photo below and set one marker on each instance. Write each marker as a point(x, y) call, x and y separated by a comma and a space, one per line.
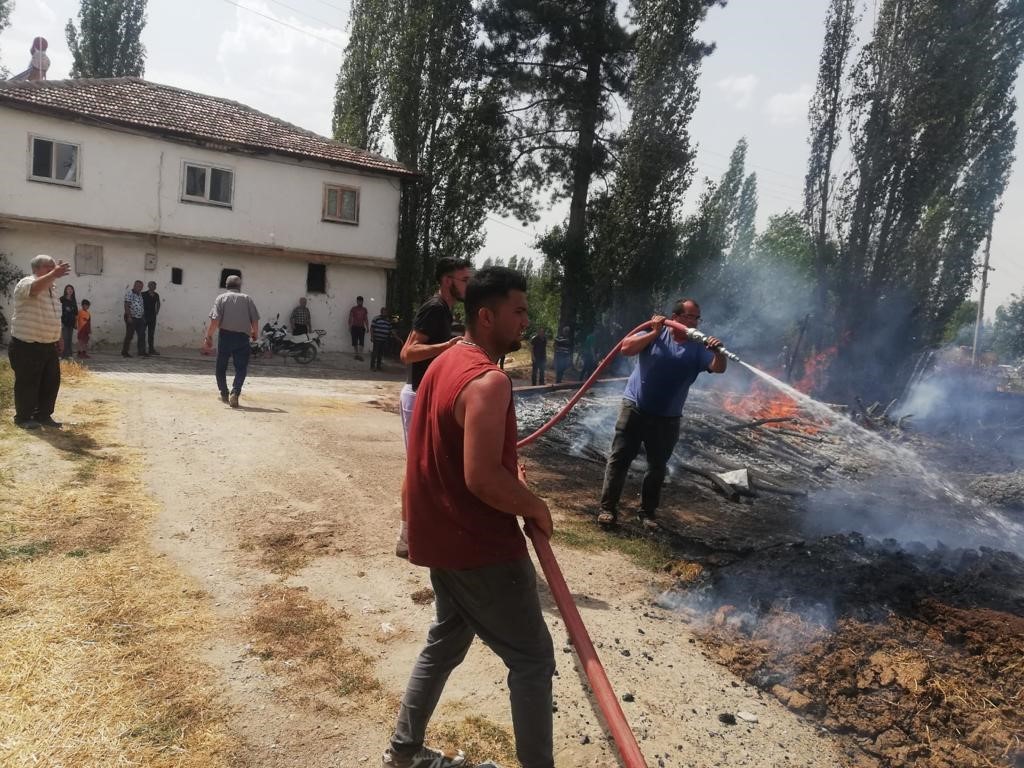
point(282, 57)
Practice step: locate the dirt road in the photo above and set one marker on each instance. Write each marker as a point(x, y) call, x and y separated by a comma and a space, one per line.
point(290, 502)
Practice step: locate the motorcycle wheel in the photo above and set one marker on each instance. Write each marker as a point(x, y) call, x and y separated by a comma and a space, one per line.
point(306, 354)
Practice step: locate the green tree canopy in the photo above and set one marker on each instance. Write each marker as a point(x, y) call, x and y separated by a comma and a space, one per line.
point(108, 39)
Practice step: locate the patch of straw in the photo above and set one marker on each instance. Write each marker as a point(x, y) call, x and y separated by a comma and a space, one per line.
point(99, 635)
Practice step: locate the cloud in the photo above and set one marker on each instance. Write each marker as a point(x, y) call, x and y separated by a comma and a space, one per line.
point(282, 65)
point(739, 89)
point(789, 108)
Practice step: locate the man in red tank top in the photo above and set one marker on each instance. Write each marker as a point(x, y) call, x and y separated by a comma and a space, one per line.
point(463, 492)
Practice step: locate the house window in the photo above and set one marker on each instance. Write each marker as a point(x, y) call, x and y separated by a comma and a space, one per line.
point(226, 273)
point(177, 276)
point(341, 204)
point(54, 161)
point(316, 278)
point(88, 259)
point(206, 184)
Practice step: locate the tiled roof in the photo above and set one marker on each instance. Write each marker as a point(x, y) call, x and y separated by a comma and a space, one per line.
point(186, 115)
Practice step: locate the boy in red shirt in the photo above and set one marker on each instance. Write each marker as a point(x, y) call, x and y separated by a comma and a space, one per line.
point(463, 492)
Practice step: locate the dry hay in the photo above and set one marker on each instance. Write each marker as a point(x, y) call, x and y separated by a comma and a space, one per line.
point(99, 636)
point(480, 738)
point(304, 640)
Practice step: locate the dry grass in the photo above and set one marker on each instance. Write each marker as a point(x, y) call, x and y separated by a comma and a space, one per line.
point(99, 636)
point(305, 639)
point(480, 738)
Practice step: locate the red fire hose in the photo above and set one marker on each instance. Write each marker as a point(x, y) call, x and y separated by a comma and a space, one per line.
point(621, 733)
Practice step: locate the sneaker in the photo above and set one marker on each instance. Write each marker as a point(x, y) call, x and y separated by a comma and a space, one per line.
point(233, 399)
point(425, 758)
point(224, 397)
point(607, 518)
point(154, 352)
point(50, 422)
point(649, 523)
point(28, 424)
point(125, 354)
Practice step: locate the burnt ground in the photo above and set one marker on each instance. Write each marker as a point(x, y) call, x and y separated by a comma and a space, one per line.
point(866, 598)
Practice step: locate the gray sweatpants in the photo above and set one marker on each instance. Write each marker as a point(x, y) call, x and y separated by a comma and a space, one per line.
point(498, 603)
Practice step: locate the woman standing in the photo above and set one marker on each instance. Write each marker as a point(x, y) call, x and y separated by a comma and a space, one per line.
point(68, 318)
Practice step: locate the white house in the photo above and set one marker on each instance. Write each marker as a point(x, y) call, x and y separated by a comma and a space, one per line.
point(130, 180)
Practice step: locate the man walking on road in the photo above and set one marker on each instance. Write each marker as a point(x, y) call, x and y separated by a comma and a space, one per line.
point(151, 308)
point(36, 344)
point(359, 324)
point(235, 320)
point(431, 335)
point(134, 320)
point(463, 492)
point(652, 406)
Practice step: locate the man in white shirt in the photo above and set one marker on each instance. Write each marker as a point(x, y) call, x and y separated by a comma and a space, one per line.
point(36, 344)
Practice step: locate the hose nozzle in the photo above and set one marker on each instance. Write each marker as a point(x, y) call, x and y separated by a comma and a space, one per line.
point(694, 335)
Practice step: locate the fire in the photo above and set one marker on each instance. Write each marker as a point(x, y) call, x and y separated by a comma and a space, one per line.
point(778, 409)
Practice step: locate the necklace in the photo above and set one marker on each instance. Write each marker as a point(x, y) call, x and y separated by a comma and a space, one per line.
point(472, 344)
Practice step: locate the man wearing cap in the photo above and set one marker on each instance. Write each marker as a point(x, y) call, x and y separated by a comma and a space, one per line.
point(36, 344)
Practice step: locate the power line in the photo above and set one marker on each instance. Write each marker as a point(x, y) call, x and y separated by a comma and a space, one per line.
point(307, 15)
point(286, 24)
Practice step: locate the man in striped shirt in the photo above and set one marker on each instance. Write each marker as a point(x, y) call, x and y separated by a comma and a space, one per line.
point(381, 331)
point(36, 344)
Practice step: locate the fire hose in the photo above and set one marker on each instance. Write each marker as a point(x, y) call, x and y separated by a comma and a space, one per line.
point(621, 733)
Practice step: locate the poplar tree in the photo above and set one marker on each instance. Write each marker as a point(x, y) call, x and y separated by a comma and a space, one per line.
point(637, 230)
point(932, 138)
point(412, 79)
point(6, 6)
point(107, 41)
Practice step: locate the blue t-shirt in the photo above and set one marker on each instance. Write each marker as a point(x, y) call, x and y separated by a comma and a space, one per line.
point(661, 380)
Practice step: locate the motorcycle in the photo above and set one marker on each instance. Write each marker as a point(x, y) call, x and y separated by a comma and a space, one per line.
point(275, 340)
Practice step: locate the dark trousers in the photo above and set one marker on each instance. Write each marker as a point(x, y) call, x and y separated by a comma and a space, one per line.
point(561, 365)
point(658, 435)
point(135, 326)
point(377, 355)
point(67, 335)
point(537, 373)
point(589, 366)
point(499, 604)
point(36, 379)
point(150, 333)
point(234, 346)
point(299, 328)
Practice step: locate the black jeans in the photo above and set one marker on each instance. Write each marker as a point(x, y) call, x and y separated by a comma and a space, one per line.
point(67, 335)
point(561, 365)
point(299, 328)
point(36, 378)
point(150, 333)
point(377, 355)
point(658, 435)
point(537, 374)
point(499, 604)
point(234, 346)
point(135, 326)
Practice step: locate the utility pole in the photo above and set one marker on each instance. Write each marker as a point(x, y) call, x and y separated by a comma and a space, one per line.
point(985, 269)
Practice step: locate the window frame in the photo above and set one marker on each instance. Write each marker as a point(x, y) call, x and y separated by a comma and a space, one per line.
point(205, 199)
point(76, 184)
point(341, 188)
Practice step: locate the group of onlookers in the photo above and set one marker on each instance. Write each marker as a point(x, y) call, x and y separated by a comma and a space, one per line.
point(140, 311)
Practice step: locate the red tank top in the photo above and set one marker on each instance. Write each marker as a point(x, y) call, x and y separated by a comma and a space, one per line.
point(448, 526)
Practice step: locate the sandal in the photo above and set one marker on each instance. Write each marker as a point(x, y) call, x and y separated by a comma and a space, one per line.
point(607, 518)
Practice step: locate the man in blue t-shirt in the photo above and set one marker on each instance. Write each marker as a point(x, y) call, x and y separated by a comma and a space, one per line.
point(652, 406)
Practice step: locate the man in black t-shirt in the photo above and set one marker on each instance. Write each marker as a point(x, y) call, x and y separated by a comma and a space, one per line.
point(431, 335)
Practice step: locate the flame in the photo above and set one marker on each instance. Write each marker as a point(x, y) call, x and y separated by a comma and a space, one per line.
point(763, 402)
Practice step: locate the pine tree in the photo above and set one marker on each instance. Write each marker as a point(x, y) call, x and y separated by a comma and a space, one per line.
point(564, 63)
point(107, 42)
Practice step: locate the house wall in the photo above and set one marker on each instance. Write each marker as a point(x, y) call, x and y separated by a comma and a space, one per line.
point(135, 182)
point(274, 283)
